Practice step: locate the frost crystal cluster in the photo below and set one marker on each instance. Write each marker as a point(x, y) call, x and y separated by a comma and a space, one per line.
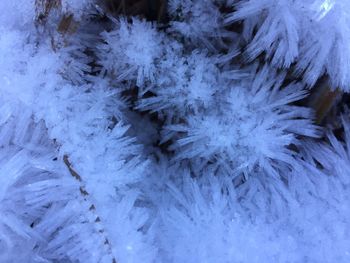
point(179, 131)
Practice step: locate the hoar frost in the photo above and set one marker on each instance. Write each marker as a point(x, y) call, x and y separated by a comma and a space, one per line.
point(186, 139)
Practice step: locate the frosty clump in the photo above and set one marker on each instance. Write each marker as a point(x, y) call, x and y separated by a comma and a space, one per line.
point(174, 131)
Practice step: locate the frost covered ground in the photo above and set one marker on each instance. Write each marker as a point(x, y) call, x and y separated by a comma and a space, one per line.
point(185, 140)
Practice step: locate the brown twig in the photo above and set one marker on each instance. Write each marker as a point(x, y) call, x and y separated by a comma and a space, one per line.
point(92, 207)
point(67, 24)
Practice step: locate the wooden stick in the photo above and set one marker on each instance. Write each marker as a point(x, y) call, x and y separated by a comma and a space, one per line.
point(92, 207)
